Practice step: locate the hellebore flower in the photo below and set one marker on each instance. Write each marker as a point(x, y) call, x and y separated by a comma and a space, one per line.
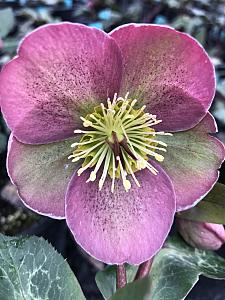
point(115, 98)
point(207, 236)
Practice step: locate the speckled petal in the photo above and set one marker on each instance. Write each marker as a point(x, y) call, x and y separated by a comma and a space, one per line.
point(41, 174)
point(121, 226)
point(60, 73)
point(168, 71)
point(192, 161)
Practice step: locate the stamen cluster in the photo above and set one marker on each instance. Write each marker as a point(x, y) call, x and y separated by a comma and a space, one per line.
point(119, 142)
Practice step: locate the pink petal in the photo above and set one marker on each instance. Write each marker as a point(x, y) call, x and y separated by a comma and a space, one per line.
point(121, 226)
point(207, 236)
point(41, 174)
point(192, 161)
point(168, 71)
point(60, 73)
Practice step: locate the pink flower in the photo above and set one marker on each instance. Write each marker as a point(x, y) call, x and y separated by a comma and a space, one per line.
point(134, 173)
point(207, 236)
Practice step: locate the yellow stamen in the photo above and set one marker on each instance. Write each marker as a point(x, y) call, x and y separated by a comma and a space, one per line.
point(126, 182)
point(119, 141)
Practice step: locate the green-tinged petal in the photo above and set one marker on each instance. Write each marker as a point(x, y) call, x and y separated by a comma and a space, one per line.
point(41, 174)
point(192, 161)
point(211, 209)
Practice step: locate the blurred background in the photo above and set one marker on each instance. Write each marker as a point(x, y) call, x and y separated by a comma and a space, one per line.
point(203, 19)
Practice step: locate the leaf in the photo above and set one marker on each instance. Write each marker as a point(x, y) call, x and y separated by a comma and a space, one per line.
point(175, 271)
point(219, 106)
point(106, 279)
point(221, 87)
point(200, 34)
point(177, 268)
point(136, 290)
point(10, 45)
point(3, 142)
point(7, 21)
point(211, 209)
point(31, 269)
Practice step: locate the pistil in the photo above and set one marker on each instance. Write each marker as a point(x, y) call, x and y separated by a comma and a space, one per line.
point(118, 142)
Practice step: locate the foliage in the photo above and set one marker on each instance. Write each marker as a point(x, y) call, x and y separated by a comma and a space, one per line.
point(31, 269)
point(175, 270)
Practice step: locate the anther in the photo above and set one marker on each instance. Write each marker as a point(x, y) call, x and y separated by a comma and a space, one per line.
point(121, 139)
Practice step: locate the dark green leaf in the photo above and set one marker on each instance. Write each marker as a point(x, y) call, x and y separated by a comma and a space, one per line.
point(136, 290)
point(211, 209)
point(177, 268)
point(31, 269)
point(175, 271)
point(106, 279)
point(3, 142)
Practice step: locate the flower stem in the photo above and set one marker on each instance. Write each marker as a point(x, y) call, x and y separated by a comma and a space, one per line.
point(121, 276)
point(144, 269)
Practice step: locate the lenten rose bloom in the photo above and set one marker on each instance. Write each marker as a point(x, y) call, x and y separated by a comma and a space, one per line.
point(202, 235)
point(111, 131)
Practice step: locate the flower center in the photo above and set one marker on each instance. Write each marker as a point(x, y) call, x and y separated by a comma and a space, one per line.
point(120, 141)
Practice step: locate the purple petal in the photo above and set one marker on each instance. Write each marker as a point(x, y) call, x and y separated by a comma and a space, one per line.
point(121, 226)
point(168, 71)
point(41, 174)
point(192, 161)
point(207, 236)
point(60, 73)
